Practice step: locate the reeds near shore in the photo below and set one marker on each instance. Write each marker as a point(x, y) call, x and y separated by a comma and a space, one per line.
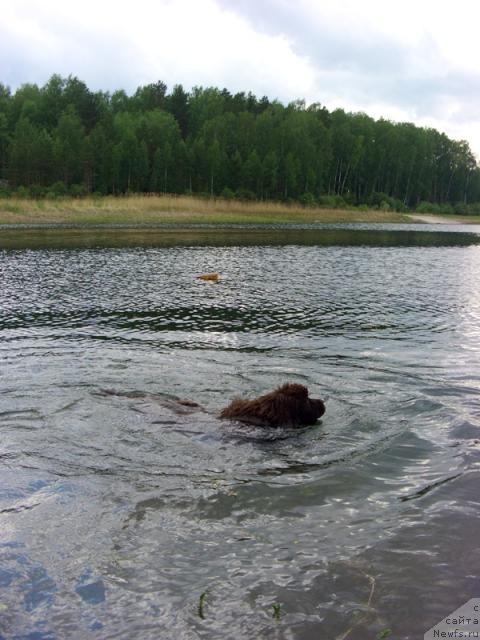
point(164, 209)
point(137, 209)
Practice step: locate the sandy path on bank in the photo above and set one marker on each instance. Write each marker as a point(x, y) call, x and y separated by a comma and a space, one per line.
point(431, 219)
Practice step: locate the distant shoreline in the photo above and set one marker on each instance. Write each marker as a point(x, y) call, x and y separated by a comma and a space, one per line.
point(436, 219)
point(186, 210)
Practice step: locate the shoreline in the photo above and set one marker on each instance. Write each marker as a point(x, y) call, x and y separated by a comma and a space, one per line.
point(155, 211)
point(125, 236)
point(431, 218)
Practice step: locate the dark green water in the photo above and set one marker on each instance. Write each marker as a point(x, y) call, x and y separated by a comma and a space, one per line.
point(117, 513)
point(350, 235)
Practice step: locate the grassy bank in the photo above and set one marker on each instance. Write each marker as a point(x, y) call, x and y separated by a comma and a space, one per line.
point(185, 210)
point(171, 209)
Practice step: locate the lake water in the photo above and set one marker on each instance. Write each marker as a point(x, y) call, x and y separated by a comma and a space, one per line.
point(122, 519)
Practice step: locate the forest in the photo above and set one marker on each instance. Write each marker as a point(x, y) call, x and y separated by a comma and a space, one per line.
point(64, 139)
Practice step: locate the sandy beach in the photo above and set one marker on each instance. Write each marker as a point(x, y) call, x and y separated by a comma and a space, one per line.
point(432, 219)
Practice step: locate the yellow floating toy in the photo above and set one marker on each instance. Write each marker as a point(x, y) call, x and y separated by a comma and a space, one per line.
point(213, 277)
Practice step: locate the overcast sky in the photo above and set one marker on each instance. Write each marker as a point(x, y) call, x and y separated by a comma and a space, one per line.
point(408, 60)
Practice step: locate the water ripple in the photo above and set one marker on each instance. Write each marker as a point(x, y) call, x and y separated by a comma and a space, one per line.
point(118, 511)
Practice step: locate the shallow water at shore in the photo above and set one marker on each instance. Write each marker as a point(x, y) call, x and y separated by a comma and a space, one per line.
point(118, 513)
point(67, 236)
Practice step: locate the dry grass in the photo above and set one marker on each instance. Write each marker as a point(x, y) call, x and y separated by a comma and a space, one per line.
point(174, 209)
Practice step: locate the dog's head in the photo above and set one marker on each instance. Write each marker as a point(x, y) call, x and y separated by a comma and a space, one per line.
point(289, 406)
point(310, 408)
point(318, 407)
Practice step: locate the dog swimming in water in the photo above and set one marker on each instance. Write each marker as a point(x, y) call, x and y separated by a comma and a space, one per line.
point(287, 406)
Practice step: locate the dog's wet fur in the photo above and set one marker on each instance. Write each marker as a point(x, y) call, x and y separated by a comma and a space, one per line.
point(287, 406)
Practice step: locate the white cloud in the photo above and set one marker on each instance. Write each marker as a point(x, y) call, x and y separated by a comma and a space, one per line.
point(117, 45)
point(413, 60)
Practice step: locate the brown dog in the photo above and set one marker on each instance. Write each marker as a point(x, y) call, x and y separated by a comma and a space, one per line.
point(287, 406)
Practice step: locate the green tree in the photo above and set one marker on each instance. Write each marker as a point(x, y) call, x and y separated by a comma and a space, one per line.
point(177, 105)
point(270, 174)
point(68, 147)
point(150, 96)
point(4, 140)
point(252, 175)
point(209, 140)
point(98, 160)
point(290, 176)
point(214, 159)
point(162, 163)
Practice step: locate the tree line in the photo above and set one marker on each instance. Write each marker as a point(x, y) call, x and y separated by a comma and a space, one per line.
point(63, 138)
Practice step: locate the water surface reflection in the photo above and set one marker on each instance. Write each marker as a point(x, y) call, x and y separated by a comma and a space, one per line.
point(118, 512)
